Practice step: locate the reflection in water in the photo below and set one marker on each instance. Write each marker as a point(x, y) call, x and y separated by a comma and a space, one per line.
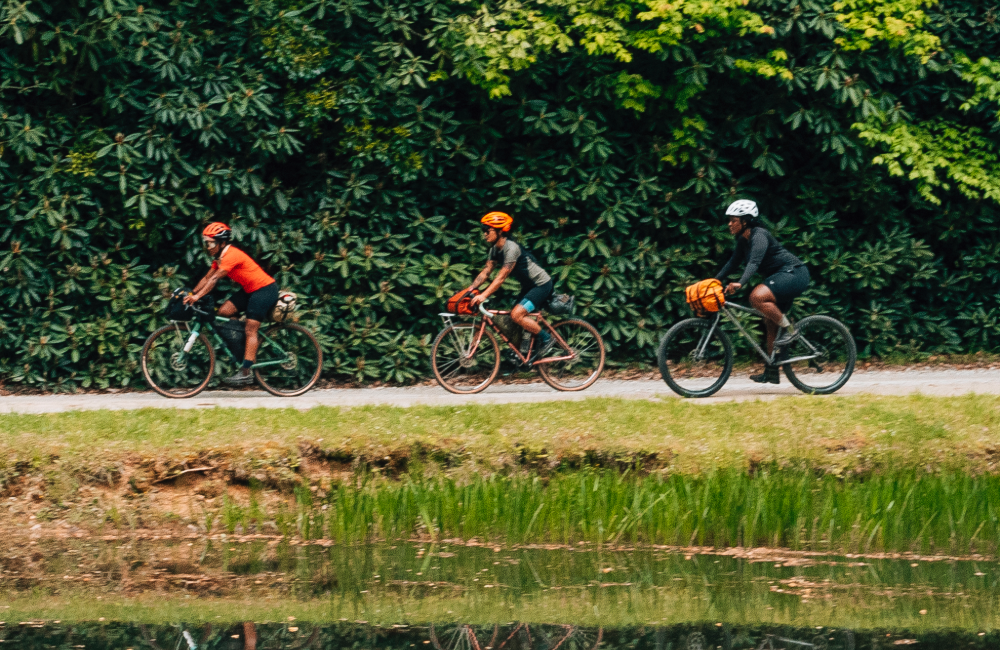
point(293, 635)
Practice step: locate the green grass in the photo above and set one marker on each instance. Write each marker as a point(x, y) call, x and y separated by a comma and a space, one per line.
point(837, 435)
point(905, 511)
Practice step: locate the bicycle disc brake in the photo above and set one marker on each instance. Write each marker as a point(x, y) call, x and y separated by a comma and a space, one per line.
point(178, 361)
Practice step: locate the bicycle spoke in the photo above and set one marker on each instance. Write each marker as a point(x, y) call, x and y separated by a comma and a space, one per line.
point(587, 357)
point(695, 358)
point(172, 371)
point(822, 358)
point(463, 363)
point(292, 360)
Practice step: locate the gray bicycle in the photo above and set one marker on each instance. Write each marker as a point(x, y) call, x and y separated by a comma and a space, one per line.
point(696, 356)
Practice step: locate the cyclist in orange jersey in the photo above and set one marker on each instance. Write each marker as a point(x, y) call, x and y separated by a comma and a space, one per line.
point(257, 296)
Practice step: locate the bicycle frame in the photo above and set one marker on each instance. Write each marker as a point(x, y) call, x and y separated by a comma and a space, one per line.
point(488, 315)
point(220, 344)
point(728, 309)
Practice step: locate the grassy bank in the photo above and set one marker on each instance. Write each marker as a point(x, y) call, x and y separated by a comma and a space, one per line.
point(843, 474)
point(837, 435)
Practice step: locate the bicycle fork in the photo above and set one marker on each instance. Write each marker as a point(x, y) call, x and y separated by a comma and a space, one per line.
point(192, 338)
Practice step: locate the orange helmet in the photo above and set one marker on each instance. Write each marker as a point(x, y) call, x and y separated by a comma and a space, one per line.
point(500, 220)
point(217, 231)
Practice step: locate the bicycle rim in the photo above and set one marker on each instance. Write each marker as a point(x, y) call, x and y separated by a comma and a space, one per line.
point(695, 359)
point(171, 371)
point(826, 355)
point(455, 368)
point(301, 356)
point(585, 367)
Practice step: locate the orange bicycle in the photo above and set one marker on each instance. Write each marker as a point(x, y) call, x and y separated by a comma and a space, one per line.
point(465, 356)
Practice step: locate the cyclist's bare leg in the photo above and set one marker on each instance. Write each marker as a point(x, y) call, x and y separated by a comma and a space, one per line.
point(763, 300)
point(227, 309)
point(253, 342)
point(520, 316)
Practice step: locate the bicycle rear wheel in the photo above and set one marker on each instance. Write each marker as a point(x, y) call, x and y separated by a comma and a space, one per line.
point(171, 371)
point(822, 358)
point(301, 357)
point(585, 367)
point(695, 358)
point(457, 367)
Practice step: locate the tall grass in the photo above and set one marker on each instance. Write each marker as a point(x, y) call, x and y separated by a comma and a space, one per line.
point(902, 512)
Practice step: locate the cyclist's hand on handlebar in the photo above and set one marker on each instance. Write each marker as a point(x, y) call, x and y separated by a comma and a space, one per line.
point(477, 300)
point(190, 299)
point(733, 287)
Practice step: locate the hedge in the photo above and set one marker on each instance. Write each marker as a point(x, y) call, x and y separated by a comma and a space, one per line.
point(352, 145)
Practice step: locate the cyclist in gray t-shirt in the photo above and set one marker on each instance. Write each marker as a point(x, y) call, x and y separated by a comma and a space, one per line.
point(517, 262)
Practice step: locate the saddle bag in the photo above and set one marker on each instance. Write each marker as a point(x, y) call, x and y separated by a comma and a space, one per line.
point(287, 303)
point(561, 304)
point(705, 297)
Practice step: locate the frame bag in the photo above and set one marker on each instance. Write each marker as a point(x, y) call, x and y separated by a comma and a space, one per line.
point(233, 333)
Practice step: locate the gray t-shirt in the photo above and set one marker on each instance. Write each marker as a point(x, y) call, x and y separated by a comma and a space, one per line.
point(526, 269)
point(761, 252)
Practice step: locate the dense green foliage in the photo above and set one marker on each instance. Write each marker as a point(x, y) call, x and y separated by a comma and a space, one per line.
point(352, 144)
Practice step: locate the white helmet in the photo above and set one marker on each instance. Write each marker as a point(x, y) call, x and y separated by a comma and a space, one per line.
point(742, 208)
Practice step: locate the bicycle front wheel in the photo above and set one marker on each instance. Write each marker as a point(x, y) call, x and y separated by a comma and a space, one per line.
point(291, 360)
point(822, 358)
point(169, 369)
point(586, 352)
point(457, 366)
point(695, 357)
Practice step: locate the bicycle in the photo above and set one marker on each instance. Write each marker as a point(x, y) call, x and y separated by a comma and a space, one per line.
point(465, 357)
point(696, 356)
point(178, 360)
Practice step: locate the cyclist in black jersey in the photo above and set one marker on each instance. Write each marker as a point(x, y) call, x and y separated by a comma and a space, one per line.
point(786, 277)
point(517, 262)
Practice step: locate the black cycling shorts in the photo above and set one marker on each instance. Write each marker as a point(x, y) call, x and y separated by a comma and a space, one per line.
point(787, 285)
point(257, 305)
point(535, 298)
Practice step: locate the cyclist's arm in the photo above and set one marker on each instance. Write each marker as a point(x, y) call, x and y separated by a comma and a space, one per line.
point(207, 284)
point(496, 284)
point(485, 273)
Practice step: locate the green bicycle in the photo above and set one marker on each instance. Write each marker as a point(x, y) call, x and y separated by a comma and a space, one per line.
point(178, 360)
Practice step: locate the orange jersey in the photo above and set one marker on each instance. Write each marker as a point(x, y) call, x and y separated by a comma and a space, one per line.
point(242, 269)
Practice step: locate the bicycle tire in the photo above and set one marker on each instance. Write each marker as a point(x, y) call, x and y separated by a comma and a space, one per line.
point(676, 332)
point(487, 339)
point(546, 370)
point(147, 372)
point(803, 327)
point(312, 379)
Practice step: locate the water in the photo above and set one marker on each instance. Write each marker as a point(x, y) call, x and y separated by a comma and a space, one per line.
point(120, 594)
point(509, 636)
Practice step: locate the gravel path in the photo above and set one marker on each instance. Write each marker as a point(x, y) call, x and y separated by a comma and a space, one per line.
point(896, 382)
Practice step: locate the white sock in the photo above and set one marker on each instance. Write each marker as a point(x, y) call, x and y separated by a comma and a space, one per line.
point(784, 322)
